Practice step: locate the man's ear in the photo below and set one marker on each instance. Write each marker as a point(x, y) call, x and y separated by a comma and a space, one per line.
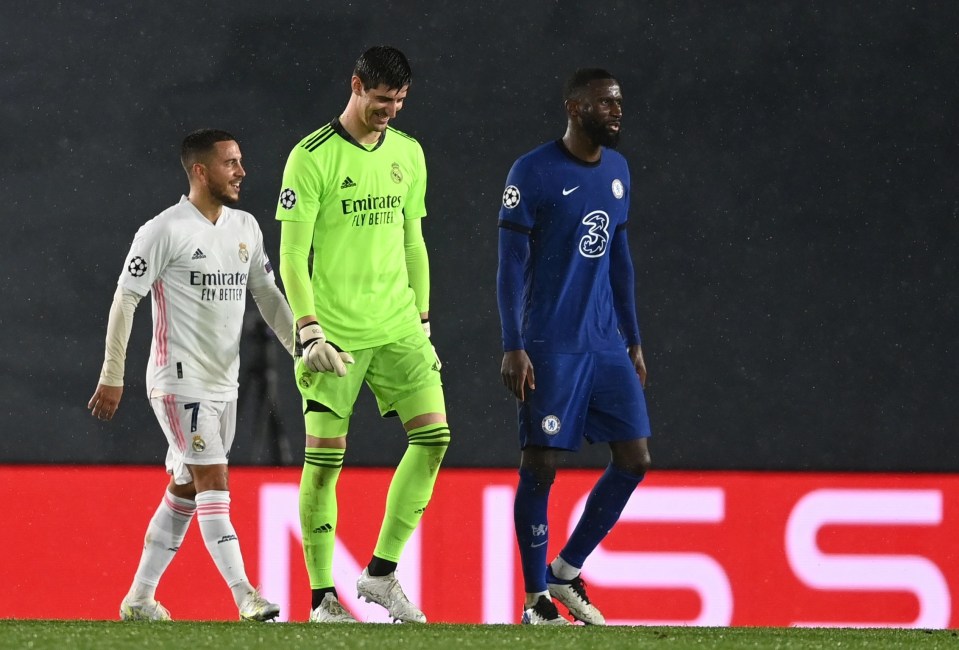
point(356, 85)
point(198, 171)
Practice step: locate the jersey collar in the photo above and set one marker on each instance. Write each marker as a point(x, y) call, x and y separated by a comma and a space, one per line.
point(569, 154)
point(343, 133)
point(199, 215)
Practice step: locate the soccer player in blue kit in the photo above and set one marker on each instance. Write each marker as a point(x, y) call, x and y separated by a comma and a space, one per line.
point(573, 356)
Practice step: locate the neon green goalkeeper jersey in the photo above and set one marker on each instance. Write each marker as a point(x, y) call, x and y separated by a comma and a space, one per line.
point(357, 199)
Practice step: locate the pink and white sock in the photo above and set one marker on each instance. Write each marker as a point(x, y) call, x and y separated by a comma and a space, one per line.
point(213, 513)
point(165, 533)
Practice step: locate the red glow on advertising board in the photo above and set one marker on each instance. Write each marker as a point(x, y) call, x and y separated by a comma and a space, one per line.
point(691, 548)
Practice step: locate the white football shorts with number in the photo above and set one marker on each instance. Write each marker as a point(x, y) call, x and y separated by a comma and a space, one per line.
point(199, 432)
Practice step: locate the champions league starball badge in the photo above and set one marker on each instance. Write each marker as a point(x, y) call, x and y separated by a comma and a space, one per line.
point(137, 266)
point(287, 199)
point(511, 196)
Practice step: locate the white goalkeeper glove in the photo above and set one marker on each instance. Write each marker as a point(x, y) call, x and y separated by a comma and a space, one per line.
point(426, 330)
point(320, 355)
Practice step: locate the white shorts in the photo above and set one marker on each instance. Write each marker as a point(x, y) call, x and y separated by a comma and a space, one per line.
point(199, 432)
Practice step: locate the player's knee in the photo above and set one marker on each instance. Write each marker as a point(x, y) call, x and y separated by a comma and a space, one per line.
point(187, 491)
point(540, 462)
point(645, 461)
point(210, 477)
point(536, 481)
point(434, 439)
point(644, 465)
point(539, 466)
point(639, 465)
point(631, 457)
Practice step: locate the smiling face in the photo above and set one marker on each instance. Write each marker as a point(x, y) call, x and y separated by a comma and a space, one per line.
point(600, 112)
point(375, 107)
point(223, 172)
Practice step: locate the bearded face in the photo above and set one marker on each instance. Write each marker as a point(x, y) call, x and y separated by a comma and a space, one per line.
point(603, 130)
point(600, 112)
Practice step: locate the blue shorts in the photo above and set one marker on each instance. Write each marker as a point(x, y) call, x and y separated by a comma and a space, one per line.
point(593, 395)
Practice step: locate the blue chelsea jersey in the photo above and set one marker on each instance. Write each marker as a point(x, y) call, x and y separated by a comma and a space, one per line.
point(570, 209)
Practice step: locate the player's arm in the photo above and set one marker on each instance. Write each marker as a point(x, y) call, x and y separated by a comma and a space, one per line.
point(319, 355)
point(623, 282)
point(417, 264)
point(516, 369)
point(149, 254)
point(418, 270)
point(106, 398)
point(268, 298)
point(276, 313)
point(417, 259)
point(273, 307)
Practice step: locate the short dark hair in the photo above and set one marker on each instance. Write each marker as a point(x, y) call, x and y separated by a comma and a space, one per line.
point(383, 64)
point(580, 79)
point(199, 143)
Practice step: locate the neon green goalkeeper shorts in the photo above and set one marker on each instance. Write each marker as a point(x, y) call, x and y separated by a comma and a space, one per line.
point(393, 372)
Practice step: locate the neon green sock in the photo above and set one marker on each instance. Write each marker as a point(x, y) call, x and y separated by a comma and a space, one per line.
point(321, 469)
point(411, 488)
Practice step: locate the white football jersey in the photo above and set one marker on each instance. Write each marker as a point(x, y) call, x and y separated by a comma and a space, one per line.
point(198, 273)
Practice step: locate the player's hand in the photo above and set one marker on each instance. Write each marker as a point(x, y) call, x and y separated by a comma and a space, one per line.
point(426, 330)
point(636, 356)
point(105, 401)
point(517, 373)
point(320, 355)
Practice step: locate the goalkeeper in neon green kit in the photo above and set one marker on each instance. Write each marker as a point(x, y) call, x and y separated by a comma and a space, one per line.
point(354, 193)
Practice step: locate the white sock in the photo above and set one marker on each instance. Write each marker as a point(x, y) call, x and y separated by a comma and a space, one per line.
point(213, 513)
point(164, 535)
point(532, 599)
point(563, 569)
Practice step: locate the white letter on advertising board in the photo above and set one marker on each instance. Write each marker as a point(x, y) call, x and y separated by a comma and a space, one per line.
point(693, 571)
point(868, 572)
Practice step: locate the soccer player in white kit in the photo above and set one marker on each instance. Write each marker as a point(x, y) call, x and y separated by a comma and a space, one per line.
point(197, 258)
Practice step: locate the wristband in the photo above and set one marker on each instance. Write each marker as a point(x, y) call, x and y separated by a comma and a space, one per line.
point(314, 332)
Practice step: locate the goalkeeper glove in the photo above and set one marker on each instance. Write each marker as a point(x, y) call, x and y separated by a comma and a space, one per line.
point(426, 330)
point(320, 355)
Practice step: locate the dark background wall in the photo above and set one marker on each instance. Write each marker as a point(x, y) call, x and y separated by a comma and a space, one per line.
point(794, 230)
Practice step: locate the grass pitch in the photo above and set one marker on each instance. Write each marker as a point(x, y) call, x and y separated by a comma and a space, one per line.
point(180, 635)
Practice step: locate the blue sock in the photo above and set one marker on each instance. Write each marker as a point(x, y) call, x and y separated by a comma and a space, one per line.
point(532, 532)
point(602, 510)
